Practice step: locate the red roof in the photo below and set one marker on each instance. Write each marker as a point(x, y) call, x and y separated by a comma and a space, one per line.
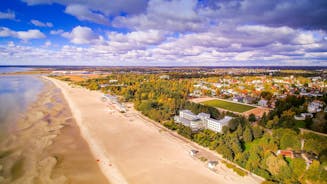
point(286, 153)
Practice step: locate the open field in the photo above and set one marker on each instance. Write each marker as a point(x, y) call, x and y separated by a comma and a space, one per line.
point(230, 106)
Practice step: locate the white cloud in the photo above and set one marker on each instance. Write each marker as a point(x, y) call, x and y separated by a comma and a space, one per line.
point(11, 44)
point(82, 35)
point(30, 34)
point(56, 32)
point(244, 56)
point(138, 37)
point(47, 43)
point(23, 35)
point(304, 39)
point(8, 15)
point(175, 15)
point(127, 6)
point(41, 24)
point(96, 11)
point(6, 32)
point(82, 12)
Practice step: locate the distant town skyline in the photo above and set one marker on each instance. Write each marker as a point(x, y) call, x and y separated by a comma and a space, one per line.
point(163, 33)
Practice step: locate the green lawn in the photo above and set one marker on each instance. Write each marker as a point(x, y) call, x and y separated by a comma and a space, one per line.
point(230, 106)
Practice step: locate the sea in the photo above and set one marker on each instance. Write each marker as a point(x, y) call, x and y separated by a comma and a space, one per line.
point(39, 140)
point(16, 92)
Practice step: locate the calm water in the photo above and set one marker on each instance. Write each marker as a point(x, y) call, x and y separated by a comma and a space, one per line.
point(16, 92)
point(13, 69)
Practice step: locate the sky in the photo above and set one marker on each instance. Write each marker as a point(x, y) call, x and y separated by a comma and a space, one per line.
point(164, 32)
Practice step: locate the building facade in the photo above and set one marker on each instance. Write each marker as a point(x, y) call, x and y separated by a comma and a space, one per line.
point(201, 121)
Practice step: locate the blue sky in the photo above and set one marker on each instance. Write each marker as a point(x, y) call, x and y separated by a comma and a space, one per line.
point(163, 32)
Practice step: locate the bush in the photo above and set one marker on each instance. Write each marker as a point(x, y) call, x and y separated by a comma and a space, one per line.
point(235, 169)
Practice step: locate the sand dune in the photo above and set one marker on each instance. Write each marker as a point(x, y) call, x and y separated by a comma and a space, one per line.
point(129, 149)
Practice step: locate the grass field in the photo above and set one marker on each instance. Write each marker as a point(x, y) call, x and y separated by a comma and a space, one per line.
point(230, 106)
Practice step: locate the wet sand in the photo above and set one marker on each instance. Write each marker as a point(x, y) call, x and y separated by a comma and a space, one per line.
point(45, 146)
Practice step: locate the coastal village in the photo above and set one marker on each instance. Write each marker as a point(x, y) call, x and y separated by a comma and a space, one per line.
point(255, 97)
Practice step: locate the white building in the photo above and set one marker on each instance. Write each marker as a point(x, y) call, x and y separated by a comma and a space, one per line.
point(164, 77)
point(201, 121)
point(263, 103)
point(113, 81)
point(187, 118)
point(203, 116)
point(315, 106)
point(217, 125)
point(187, 114)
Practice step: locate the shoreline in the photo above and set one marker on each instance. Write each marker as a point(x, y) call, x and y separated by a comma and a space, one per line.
point(132, 150)
point(40, 147)
point(113, 175)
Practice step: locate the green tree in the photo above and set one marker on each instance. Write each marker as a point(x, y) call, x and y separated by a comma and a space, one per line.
point(297, 166)
point(233, 124)
point(320, 122)
point(290, 140)
point(287, 138)
point(316, 173)
point(273, 123)
point(257, 132)
point(274, 164)
point(247, 134)
point(225, 151)
point(266, 95)
point(236, 146)
point(252, 117)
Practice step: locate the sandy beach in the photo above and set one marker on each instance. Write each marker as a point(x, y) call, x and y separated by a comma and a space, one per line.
point(130, 149)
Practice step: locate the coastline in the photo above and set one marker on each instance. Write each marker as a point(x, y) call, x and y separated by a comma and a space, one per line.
point(44, 144)
point(131, 150)
point(111, 173)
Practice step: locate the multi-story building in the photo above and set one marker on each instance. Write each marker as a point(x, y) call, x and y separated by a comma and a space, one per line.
point(217, 125)
point(187, 114)
point(201, 121)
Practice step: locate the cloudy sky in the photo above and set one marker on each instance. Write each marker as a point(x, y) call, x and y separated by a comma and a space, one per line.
point(163, 32)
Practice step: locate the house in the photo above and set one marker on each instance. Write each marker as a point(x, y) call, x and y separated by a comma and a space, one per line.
point(303, 116)
point(213, 92)
point(217, 85)
point(299, 117)
point(164, 77)
point(196, 93)
point(315, 106)
point(285, 153)
point(113, 81)
point(249, 99)
point(237, 99)
point(263, 103)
